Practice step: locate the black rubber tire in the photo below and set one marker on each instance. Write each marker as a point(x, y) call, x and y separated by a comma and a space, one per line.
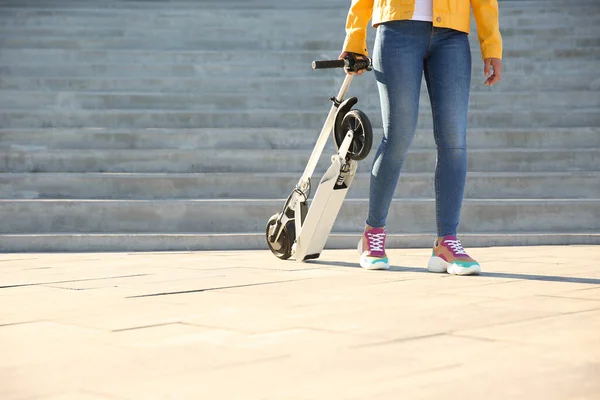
point(363, 134)
point(282, 249)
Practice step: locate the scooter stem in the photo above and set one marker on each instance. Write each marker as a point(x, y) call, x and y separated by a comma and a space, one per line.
point(324, 135)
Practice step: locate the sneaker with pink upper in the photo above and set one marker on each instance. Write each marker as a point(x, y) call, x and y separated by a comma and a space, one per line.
point(449, 256)
point(372, 249)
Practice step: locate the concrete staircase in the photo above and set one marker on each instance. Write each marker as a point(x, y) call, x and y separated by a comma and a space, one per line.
point(176, 125)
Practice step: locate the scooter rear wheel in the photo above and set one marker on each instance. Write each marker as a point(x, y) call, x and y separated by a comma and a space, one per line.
point(282, 248)
point(359, 124)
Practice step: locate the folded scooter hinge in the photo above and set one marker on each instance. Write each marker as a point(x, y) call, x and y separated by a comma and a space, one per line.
point(335, 101)
point(303, 188)
point(341, 179)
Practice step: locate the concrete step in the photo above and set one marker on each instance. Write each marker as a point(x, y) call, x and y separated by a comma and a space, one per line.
point(277, 69)
point(517, 5)
point(195, 59)
point(268, 138)
point(152, 186)
point(291, 21)
point(482, 100)
point(169, 5)
point(227, 160)
point(515, 36)
point(281, 40)
point(277, 16)
point(247, 9)
point(551, 118)
point(132, 242)
point(296, 36)
point(291, 85)
point(234, 216)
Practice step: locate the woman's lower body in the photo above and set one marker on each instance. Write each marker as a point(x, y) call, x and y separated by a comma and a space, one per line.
point(404, 52)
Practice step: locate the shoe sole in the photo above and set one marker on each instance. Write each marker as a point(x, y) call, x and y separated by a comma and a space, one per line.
point(370, 266)
point(438, 265)
point(375, 266)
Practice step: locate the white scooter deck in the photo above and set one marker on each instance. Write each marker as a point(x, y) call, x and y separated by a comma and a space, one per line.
point(325, 206)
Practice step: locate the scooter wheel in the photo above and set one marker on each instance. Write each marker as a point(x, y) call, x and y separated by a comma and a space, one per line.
point(359, 124)
point(282, 248)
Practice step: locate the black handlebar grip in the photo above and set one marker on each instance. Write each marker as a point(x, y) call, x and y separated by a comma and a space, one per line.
point(362, 64)
point(328, 64)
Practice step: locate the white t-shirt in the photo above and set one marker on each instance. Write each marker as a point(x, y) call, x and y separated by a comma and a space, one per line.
point(423, 10)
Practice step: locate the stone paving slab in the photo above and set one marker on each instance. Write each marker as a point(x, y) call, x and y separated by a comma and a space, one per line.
point(245, 325)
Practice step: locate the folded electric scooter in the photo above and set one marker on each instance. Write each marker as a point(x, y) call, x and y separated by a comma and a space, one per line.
point(300, 230)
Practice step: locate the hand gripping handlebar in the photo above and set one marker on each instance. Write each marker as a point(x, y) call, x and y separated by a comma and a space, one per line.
point(351, 64)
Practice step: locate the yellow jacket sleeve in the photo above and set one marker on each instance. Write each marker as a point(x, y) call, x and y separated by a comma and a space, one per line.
point(488, 29)
point(356, 26)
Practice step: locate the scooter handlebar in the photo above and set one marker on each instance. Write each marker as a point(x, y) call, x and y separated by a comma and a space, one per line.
point(328, 64)
point(352, 65)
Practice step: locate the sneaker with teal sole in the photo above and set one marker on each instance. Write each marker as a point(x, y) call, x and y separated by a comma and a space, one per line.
point(449, 256)
point(371, 248)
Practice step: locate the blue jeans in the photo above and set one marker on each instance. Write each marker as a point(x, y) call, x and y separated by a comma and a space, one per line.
point(404, 50)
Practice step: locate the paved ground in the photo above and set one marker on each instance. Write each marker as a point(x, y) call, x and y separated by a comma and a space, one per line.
point(244, 325)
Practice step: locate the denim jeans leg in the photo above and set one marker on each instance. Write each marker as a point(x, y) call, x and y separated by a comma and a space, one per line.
point(400, 47)
point(448, 76)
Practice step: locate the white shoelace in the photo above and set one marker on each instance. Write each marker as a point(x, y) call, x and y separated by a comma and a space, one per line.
point(456, 246)
point(376, 241)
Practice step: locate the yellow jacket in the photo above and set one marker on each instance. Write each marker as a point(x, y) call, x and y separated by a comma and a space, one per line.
point(454, 14)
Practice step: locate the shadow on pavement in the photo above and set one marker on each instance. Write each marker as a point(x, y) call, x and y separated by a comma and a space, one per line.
point(503, 275)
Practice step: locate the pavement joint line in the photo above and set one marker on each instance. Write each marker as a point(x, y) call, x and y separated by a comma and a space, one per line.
point(543, 278)
point(421, 372)
point(23, 322)
point(317, 329)
point(67, 288)
point(154, 253)
point(102, 395)
point(281, 269)
point(144, 327)
point(436, 275)
point(399, 340)
point(480, 338)
point(212, 269)
point(452, 333)
point(555, 296)
point(539, 318)
point(236, 330)
point(71, 281)
point(212, 289)
point(394, 281)
point(252, 362)
point(502, 340)
point(582, 289)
